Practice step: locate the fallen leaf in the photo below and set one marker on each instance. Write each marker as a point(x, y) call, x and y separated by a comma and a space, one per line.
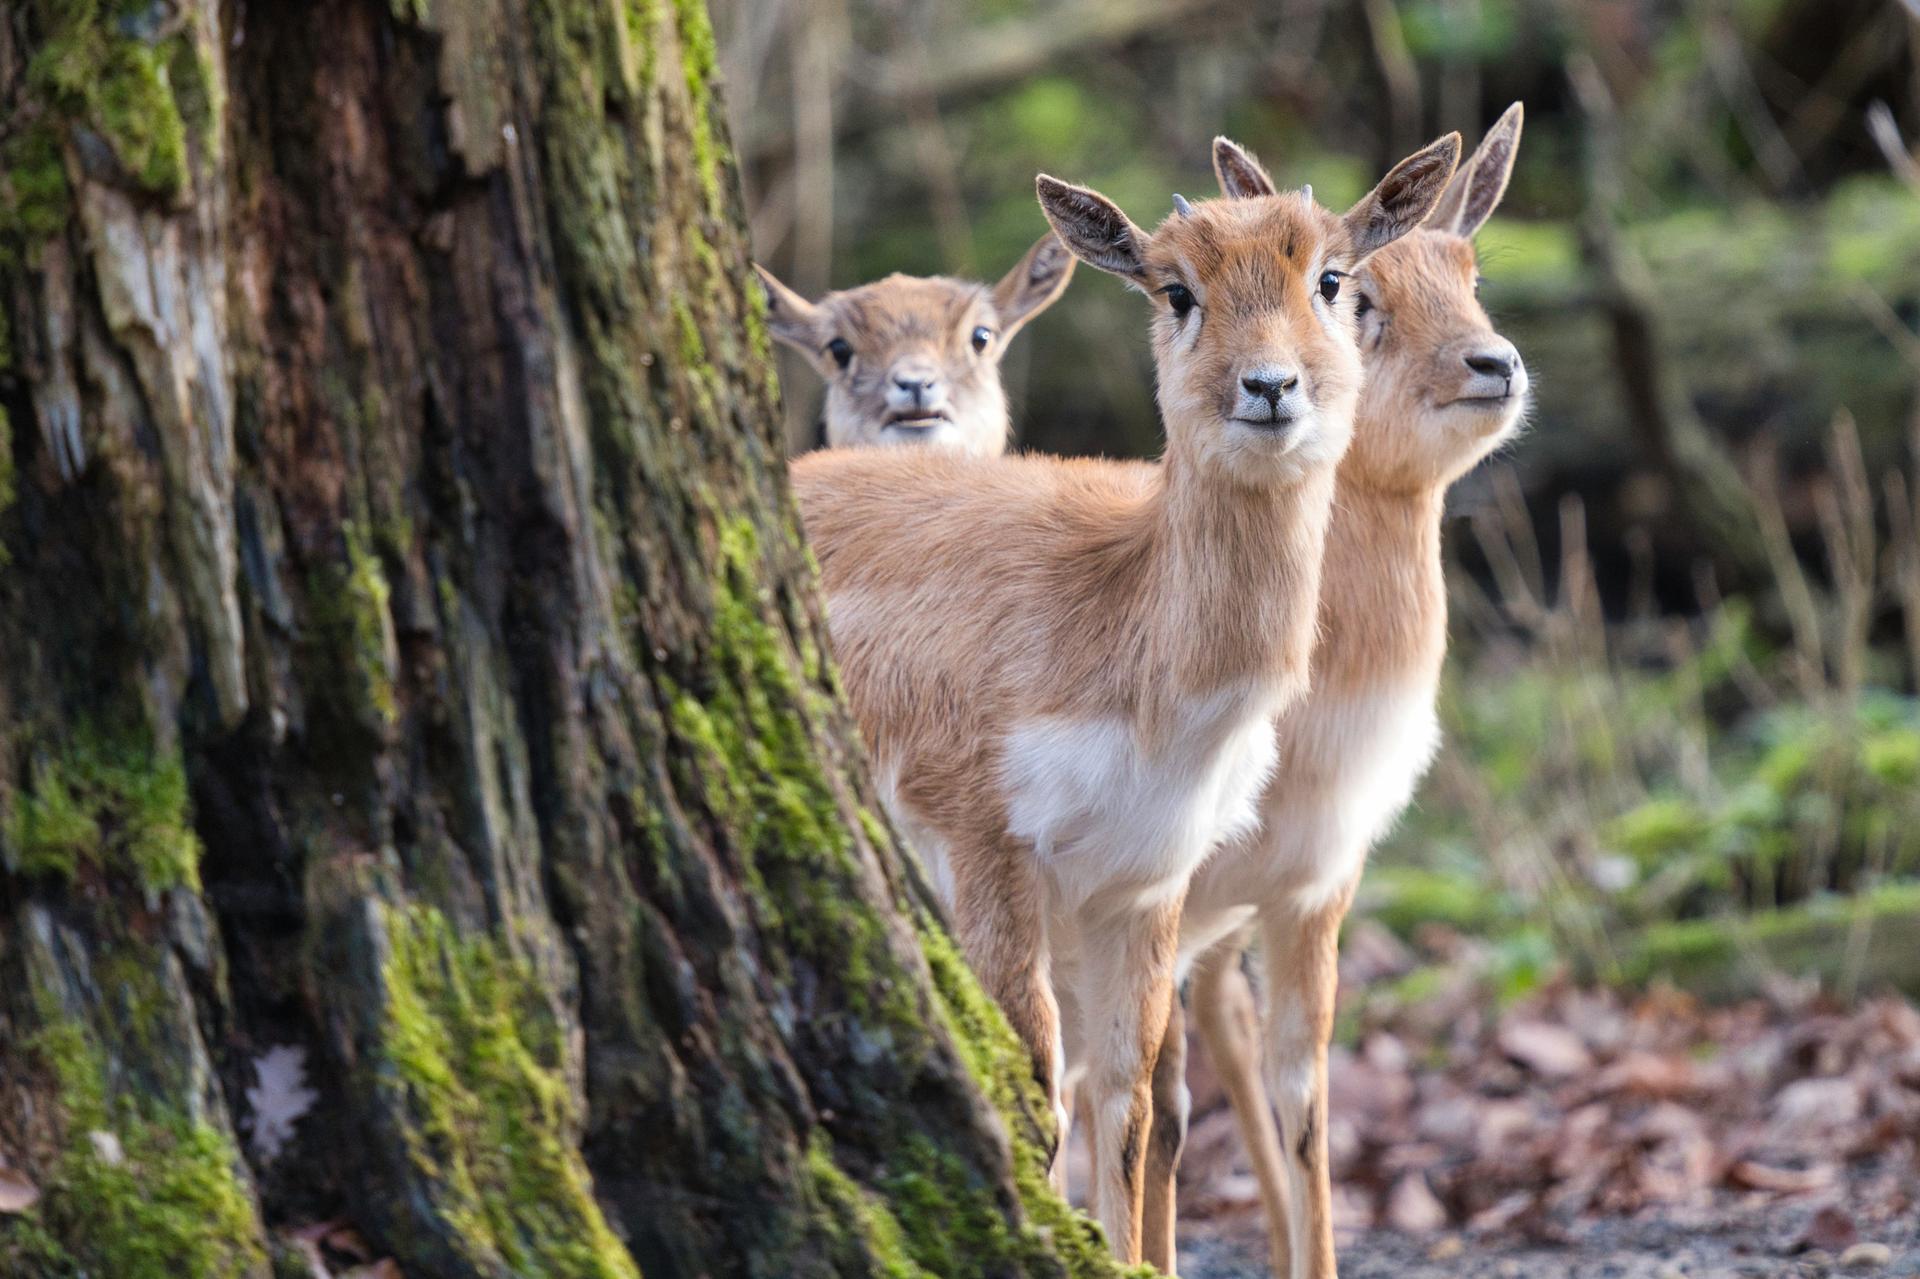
point(1781, 1181)
point(1830, 1230)
point(279, 1099)
point(17, 1191)
point(1412, 1207)
point(1552, 1051)
point(1866, 1256)
point(1809, 1107)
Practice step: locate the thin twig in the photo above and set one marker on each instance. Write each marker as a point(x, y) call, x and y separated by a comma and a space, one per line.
point(1885, 131)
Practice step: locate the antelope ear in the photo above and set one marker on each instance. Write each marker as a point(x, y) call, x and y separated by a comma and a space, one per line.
point(1404, 197)
point(1094, 228)
point(790, 317)
point(1476, 189)
point(1241, 176)
point(1033, 285)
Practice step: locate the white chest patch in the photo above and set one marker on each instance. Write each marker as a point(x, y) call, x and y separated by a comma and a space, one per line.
point(1105, 810)
point(1348, 767)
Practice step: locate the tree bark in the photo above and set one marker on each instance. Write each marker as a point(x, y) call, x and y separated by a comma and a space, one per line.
point(424, 801)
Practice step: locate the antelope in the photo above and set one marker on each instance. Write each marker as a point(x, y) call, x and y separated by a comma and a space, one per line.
point(1442, 391)
point(1067, 670)
point(912, 360)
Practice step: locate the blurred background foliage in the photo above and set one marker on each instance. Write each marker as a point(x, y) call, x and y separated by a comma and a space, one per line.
point(1683, 738)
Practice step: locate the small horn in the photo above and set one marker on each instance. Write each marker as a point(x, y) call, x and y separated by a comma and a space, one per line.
point(1181, 206)
point(1306, 193)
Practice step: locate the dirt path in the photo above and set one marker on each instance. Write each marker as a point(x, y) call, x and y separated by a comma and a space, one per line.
point(1607, 1249)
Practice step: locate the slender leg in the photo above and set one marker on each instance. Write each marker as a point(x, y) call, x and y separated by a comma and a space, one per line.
point(1070, 1119)
point(1171, 1106)
point(1126, 993)
point(1302, 955)
point(1223, 1008)
point(1001, 928)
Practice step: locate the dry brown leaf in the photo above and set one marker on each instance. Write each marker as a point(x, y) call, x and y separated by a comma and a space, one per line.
point(1832, 1229)
point(1547, 1050)
point(17, 1191)
point(1413, 1208)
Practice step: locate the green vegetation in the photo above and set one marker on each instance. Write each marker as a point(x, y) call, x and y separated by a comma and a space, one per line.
point(367, 597)
point(110, 804)
point(473, 1060)
point(1674, 798)
point(120, 84)
point(756, 756)
point(138, 1191)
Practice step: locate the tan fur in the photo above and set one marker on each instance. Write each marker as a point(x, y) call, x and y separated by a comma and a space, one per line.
point(906, 330)
point(1381, 644)
point(1002, 622)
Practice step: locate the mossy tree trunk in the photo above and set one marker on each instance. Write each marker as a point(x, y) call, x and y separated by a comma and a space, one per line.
point(411, 687)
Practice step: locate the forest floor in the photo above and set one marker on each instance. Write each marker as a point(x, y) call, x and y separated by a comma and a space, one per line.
point(1587, 1133)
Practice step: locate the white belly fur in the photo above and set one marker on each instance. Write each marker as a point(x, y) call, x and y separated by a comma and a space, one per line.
point(1104, 811)
point(1348, 768)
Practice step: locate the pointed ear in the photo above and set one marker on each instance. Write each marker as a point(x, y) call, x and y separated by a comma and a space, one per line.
point(1404, 197)
point(790, 317)
point(1241, 176)
point(1033, 284)
point(1476, 189)
point(1093, 228)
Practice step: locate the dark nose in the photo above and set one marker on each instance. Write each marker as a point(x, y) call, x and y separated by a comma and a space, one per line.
point(1492, 363)
point(1271, 386)
point(916, 386)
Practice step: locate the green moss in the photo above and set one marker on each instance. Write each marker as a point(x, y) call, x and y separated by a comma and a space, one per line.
point(117, 83)
point(6, 458)
point(113, 804)
point(926, 1210)
point(51, 831)
point(700, 59)
point(758, 767)
point(199, 92)
point(139, 1191)
point(474, 1060)
point(759, 338)
point(34, 199)
point(1000, 1062)
point(867, 1226)
point(366, 598)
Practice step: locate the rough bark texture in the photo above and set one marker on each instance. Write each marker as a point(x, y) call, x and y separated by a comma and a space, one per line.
point(408, 656)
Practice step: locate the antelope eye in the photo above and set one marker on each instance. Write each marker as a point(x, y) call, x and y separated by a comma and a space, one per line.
point(1361, 305)
point(1179, 299)
point(1329, 285)
point(841, 350)
point(981, 336)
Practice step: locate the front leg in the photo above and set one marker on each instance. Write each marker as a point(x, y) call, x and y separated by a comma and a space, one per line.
point(1302, 979)
point(999, 912)
point(1125, 996)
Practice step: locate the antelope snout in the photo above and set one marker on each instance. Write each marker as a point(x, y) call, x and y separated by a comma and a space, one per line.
point(1269, 395)
point(916, 393)
point(1493, 371)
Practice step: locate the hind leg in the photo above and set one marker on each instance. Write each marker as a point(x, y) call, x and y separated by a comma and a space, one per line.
point(1223, 1008)
point(1171, 1106)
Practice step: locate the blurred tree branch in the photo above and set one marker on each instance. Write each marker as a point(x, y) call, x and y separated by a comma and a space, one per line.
point(989, 57)
point(1708, 490)
point(1885, 131)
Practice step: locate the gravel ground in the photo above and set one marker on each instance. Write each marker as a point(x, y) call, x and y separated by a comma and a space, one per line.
point(1606, 1249)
